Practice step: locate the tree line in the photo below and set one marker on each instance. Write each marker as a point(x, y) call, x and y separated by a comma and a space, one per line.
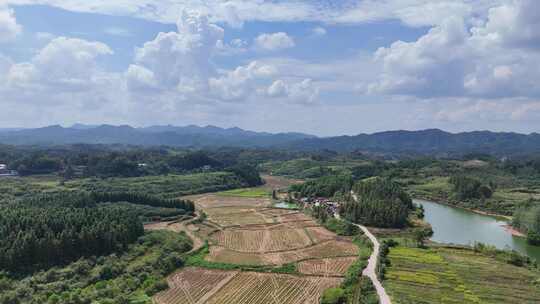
point(527, 219)
point(326, 186)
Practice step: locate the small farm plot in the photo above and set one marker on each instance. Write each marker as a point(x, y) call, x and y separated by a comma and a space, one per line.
point(223, 255)
point(263, 240)
point(192, 285)
point(326, 267)
point(239, 219)
point(320, 234)
point(217, 201)
point(241, 240)
point(285, 239)
point(294, 217)
point(263, 288)
point(329, 249)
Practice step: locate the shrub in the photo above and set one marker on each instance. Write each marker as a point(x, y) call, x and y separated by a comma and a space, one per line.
point(333, 296)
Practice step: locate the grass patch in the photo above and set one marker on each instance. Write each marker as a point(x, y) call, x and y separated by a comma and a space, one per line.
point(258, 192)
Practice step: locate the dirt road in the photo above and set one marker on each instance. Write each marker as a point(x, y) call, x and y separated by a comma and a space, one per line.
point(370, 270)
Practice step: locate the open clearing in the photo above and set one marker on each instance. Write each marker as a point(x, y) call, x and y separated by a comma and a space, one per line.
point(449, 275)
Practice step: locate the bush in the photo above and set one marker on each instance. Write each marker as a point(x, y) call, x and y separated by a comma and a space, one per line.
point(533, 238)
point(341, 227)
point(466, 188)
point(333, 296)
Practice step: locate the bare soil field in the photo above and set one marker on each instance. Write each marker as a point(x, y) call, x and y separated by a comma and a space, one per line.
point(328, 249)
point(278, 182)
point(205, 201)
point(197, 285)
point(263, 288)
point(192, 285)
point(326, 267)
point(264, 240)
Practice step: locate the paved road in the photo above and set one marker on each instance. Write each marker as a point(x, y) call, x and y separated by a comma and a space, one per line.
point(370, 270)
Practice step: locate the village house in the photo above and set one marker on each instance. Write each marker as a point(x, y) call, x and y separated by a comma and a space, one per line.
point(4, 171)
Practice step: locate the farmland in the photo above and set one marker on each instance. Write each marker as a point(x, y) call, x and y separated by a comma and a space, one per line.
point(197, 285)
point(453, 275)
point(326, 267)
point(258, 254)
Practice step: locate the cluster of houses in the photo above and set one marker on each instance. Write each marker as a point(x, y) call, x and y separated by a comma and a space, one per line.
point(330, 206)
point(5, 172)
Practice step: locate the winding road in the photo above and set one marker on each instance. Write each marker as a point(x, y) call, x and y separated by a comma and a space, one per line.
point(370, 270)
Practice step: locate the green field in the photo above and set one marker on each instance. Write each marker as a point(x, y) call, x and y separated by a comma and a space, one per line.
point(258, 192)
point(450, 275)
point(166, 186)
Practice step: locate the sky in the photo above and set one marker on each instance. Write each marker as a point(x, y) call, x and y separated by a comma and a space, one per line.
point(316, 66)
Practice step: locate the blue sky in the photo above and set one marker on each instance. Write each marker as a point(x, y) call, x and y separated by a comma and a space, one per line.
point(310, 66)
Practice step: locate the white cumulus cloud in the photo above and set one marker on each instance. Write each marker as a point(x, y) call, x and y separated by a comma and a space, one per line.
point(274, 41)
point(9, 28)
point(67, 62)
point(304, 91)
point(496, 58)
point(181, 60)
point(241, 82)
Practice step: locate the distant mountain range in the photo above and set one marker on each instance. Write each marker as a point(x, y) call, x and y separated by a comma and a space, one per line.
point(431, 142)
point(188, 136)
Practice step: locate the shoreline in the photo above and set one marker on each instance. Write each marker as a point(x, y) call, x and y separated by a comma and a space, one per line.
point(507, 226)
point(513, 231)
point(477, 211)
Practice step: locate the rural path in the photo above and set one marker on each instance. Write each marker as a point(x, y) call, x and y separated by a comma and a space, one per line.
point(177, 227)
point(370, 270)
point(197, 242)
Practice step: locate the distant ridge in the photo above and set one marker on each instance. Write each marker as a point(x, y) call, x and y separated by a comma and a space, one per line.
point(430, 142)
point(188, 136)
point(426, 142)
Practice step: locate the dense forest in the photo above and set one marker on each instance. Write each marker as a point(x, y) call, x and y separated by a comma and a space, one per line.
point(326, 186)
point(131, 276)
point(53, 229)
point(380, 202)
point(33, 237)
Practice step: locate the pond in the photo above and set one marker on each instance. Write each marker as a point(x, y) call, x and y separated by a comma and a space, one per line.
point(464, 227)
point(285, 205)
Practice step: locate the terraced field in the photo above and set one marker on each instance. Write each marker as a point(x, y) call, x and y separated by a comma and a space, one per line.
point(244, 230)
point(262, 241)
point(447, 275)
point(262, 288)
point(192, 285)
point(197, 285)
point(326, 267)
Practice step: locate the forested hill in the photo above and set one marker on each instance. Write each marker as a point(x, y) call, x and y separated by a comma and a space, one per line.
point(431, 142)
point(188, 136)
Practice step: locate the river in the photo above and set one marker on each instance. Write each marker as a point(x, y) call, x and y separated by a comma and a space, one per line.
point(464, 227)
